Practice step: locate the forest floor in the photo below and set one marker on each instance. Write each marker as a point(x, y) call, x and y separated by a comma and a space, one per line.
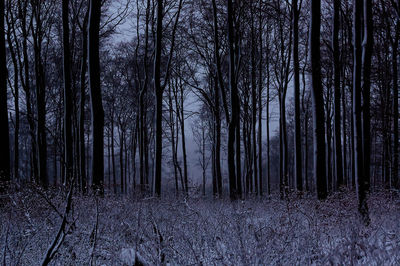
point(200, 231)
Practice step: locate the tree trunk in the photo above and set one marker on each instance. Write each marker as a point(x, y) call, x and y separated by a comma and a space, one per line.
point(121, 158)
point(25, 79)
point(267, 127)
point(95, 96)
point(358, 130)
point(395, 173)
point(182, 121)
point(318, 107)
point(41, 140)
point(233, 123)
point(82, 95)
point(113, 155)
point(253, 103)
point(260, 85)
point(337, 96)
point(67, 94)
point(4, 134)
point(158, 101)
point(219, 87)
point(296, 70)
point(14, 53)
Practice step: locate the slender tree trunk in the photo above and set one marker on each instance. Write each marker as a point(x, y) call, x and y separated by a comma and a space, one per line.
point(296, 69)
point(143, 166)
point(366, 90)
point(344, 147)
point(253, 103)
point(158, 101)
point(95, 96)
point(82, 95)
point(233, 123)
point(109, 159)
point(219, 87)
point(4, 134)
point(337, 96)
point(113, 155)
point(395, 173)
point(121, 158)
point(267, 127)
point(318, 107)
point(14, 52)
point(27, 87)
point(67, 93)
point(203, 159)
point(41, 138)
point(260, 85)
point(182, 120)
point(358, 130)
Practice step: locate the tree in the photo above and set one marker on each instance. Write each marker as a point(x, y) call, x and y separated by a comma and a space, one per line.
point(337, 96)
point(82, 94)
point(159, 88)
point(67, 93)
point(95, 95)
point(4, 134)
point(317, 96)
point(234, 179)
point(296, 69)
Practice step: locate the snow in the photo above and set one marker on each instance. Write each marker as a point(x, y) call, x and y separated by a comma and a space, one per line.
point(203, 231)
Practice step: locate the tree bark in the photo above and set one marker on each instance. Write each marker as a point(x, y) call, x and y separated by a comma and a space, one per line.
point(95, 96)
point(296, 70)
point(317, 96)
point(82, 96)
point(395, 173)
point(14, 52)
point(337, 96)
point(4, 133)
point(233, 123)
point(357, 115)
point(67, 93)
point(158, 103)
point(41, 139)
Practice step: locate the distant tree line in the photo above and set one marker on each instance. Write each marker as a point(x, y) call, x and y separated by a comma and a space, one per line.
point(77, 104)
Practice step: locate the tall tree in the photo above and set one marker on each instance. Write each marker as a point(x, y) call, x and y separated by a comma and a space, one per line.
point(159, 88)
point(38, 33)
point(337, 97)
point(158, 93)
point(82, 94)
point(318, 101)
point(234, 121)
point(97, 111)
point(14, 51)
point(260, 86)
point(296, 69)
point(67, 93)
point(4, 134)
point(362, 62)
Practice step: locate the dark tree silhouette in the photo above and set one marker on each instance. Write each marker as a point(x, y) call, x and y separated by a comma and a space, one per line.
point(4, 134)
point(318, 101)
point(95, 95)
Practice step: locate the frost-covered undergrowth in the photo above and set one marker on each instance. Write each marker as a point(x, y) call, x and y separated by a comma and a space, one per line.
point(201, 231)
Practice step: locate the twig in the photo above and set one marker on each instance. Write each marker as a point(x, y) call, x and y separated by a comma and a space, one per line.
point(95, 233)
point(5, 245)
point(52, 250)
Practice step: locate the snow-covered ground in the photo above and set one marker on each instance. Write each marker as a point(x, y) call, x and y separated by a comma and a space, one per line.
point(201, 231)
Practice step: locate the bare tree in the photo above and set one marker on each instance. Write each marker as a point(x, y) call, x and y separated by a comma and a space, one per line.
point(95, 95)
point(4, 134)
point(318, 103)
point(67, 93)
point(296, 69)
